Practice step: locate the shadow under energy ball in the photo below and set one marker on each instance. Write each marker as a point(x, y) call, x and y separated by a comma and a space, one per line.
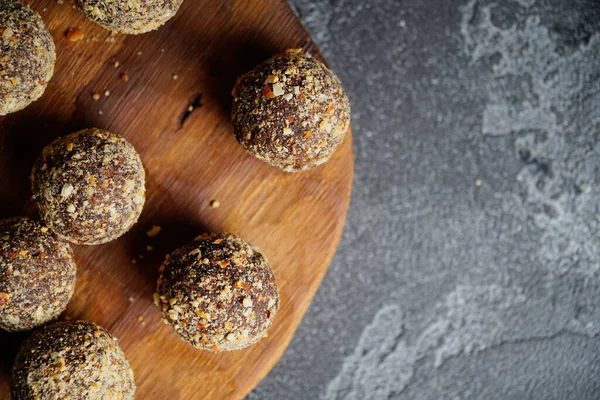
point(27, 56)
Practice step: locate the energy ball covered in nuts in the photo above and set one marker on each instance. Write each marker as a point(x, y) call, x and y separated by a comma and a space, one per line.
point(27, 56)
point(218, 292)
point(37, 274)
point(129, 16)
point(72, 360)
point(89, 186)
point(290, 111)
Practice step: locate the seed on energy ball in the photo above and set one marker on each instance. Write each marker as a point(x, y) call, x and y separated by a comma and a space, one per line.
point(127, 16)
point(290, 111)
point(37, 274)
point(218, 292)
point(27, 56)
point(89, 186)
point(72, 360)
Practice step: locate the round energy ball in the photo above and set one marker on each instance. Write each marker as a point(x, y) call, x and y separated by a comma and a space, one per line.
point(37, 274)
point(290, 111)
point(72, 360)
point(129, 16)
point(89, 186)
point(218, 292)
point(27, 56)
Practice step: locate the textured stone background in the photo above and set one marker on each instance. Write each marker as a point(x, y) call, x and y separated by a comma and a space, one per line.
point(469, 267)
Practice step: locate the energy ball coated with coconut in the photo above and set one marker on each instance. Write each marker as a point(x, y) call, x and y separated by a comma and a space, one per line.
point(290, 111)
point(72, 360)
point(218, 292)
point(129, 16)
point(27, 56)
point(37, 274)
point(89, 186)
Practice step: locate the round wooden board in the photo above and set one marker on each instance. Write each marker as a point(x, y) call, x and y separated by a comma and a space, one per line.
point(297, 219)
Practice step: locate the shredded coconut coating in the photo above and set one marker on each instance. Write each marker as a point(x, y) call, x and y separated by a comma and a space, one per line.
point(290, 111)
point(89, 186)
point(218, 292)
point(37, 274)
point(129, 16)
point(27, 56)
point(72, 360)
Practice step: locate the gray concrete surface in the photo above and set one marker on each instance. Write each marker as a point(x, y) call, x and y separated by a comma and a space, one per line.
point(469, 266)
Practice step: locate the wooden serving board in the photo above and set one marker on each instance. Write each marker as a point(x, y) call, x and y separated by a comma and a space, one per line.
point(190, 159)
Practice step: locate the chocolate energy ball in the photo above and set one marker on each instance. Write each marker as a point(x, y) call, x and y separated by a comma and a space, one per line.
point(290, 111)
point(37, 274)
point(218, 292)
point(129, 16)
point(27, 56)
point(89, 186)
point(72, 360)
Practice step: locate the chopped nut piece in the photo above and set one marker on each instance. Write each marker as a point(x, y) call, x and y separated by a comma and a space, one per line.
point(247, 302)
point(4, 298)
point(278, 90)
point(66, 191)
point(154, 231)
point(267, 92)
point(96, 96)
point(215, 204)
point(74, 34)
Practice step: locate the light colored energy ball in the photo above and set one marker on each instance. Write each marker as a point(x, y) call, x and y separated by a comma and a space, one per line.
point(27, 56)
point(72, 360)
point(129, 16)
point(290, 111)
point(218, 292)
point(89, 186)
point(37, 274)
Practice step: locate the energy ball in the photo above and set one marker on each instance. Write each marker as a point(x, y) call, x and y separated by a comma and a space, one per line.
point(37, 274)
point(89, 186)
point(290, 111)
point(72, 360)
point(218, 292)
point(27, 56)
point(129, 16)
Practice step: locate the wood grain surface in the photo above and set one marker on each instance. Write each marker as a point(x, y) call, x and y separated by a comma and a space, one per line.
point(190, 159)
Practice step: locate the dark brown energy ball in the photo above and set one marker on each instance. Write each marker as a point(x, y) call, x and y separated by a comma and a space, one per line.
point(218, 292)
point(290, 111)
point(37, 274)
point(27, 56)
point(129, 16)
point(72, 360)
point(89, 186)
